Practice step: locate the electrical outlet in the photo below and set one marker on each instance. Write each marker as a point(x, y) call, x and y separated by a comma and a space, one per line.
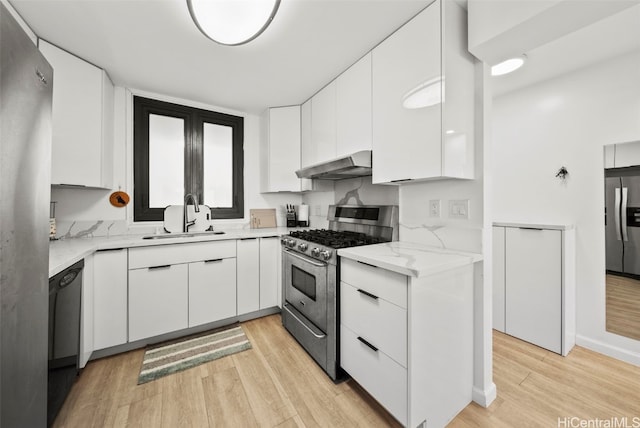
point(459, 209)
point(434, 208)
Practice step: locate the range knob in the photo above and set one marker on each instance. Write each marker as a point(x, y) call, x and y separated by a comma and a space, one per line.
point(326, 254)
point(315, 252)
point(303, 246)
point(290, 243)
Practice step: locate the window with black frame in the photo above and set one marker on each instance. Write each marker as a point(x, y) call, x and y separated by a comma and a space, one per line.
point(180, 150)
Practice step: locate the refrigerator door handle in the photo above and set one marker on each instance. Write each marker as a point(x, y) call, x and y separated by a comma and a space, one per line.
point(616, 215)
point(623, 214)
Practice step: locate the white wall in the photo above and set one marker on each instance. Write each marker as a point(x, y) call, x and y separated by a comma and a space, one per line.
point(86, 206)
point(353, 191)
point(566, 121)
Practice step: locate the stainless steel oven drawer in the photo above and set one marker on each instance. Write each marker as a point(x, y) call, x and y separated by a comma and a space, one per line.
point(309, 336)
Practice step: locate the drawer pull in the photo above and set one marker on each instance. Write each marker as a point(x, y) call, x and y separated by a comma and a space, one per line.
point(368, 344)
point(213, 260)
point(366, 264)
point(104, 250)
point(366, 293)
point(159, 267)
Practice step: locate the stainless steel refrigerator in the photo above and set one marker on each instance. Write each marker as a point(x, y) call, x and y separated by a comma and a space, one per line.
point(26, 81)
point(622, 220)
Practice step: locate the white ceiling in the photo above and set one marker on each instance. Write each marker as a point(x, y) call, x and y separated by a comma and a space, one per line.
point(613, 36)
point(153, 45)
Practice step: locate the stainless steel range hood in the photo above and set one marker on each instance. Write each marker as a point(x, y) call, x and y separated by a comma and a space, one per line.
point(354, 165)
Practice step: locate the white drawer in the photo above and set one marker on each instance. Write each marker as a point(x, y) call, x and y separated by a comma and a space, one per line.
point(378, 374)
point(160, 255)
point(383, 283)
point(375, 319)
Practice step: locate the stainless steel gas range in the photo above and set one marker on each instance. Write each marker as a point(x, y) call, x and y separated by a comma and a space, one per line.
point(311, 280)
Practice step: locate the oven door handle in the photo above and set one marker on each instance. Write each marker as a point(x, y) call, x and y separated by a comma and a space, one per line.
point(306, 259)
point(290, 312)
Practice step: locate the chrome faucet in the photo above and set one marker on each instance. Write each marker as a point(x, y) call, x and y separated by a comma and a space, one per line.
point(186, 223)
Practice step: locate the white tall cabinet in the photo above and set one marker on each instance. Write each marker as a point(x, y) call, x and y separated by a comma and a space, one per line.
point(534, 284)
point(423, 106)
point(82, 122)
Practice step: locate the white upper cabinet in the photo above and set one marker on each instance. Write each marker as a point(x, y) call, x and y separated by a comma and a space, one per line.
point(281, 158)
point(622, 155)
point(82, 152)
point(323, 125)
point(353, 108)
point(420, 130)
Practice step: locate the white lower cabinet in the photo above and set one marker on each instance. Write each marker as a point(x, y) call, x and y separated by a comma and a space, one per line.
point(269, 272)
point(534, 294)
point(248, 256)
point(212, 291)
point(258, 270)
point(158, 300)
point(87, 311)
point(409, 341)
point(379, 374)
point(110, 298)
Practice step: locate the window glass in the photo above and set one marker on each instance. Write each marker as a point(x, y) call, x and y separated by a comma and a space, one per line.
point(218, 165)
point(179, 150)
point(166, 161)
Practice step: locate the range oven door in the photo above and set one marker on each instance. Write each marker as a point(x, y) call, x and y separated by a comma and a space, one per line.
point(305, 287)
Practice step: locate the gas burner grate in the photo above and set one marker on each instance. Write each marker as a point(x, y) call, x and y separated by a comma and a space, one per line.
point(336, 239)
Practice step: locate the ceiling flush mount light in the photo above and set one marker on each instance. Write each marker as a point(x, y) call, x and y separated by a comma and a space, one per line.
point(232, 22)
point(426, 94)
point(508, 66)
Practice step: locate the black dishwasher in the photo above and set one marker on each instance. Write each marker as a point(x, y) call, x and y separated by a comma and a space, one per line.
point(65, 295)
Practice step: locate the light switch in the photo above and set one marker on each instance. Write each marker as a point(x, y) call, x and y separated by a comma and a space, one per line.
point(434, 208)
point(459, 208)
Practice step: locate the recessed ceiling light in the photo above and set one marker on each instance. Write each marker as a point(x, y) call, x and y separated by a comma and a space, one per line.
point(426, 94)
point(508, 66)
point(232, 22)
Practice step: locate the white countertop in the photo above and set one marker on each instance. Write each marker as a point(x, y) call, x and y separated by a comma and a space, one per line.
point(534, 225)
point(65, 252)
point(409, 258)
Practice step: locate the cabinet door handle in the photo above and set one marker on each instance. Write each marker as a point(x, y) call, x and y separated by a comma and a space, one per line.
point(401, 180)
point(104, 250)
point(530, 228)
point(246, 239)
point(159, 267)
point(368, 344)
point(213, 260)
point(366, 293)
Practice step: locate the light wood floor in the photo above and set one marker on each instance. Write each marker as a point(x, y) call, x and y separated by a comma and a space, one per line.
point(276, 384)
point(623, 306)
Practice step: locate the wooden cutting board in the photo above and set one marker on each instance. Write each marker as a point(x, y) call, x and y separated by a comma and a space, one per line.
point(262, 218)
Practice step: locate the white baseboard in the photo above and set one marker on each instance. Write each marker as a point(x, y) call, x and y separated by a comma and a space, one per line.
point(484, 397)
point(609, 350)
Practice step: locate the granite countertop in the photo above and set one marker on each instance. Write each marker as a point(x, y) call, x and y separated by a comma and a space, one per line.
point(410, 258)
point(65, 252)
point(534, 225)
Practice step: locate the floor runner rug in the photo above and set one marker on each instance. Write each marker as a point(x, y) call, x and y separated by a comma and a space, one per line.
point(171, 357)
